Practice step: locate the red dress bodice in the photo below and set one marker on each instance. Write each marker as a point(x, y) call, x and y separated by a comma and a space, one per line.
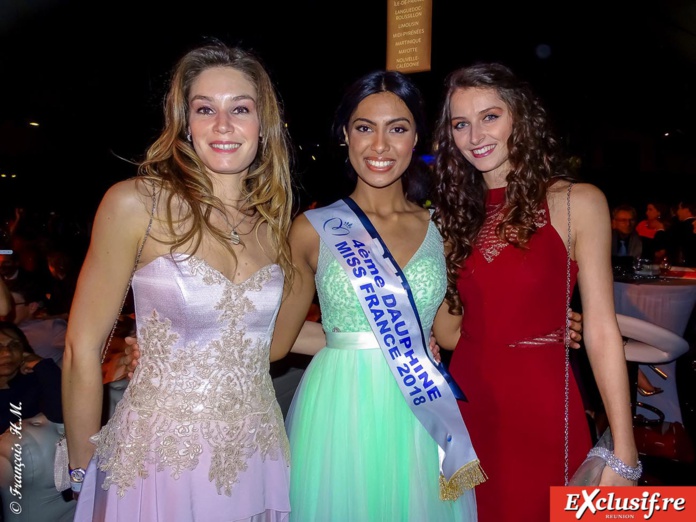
point(510, 363)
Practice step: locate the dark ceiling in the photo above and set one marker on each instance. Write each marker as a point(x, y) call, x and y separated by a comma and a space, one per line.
point(93, 74)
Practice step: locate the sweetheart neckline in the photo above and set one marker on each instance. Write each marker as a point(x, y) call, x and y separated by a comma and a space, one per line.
point(185, 257)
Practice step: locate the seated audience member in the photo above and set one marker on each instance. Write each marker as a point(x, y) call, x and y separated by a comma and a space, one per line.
point(46, 335)
point(26, 258)
point(645, 387)
point(28, 239)
point(29, 385)
point(682, 240)
point(625, 241)
point(64, 267)
point(40, 501)
point(30, 398)
point(653, 231)
point(33, 261)
point(10, 267)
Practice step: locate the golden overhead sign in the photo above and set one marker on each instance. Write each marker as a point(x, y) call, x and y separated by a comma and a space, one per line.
point(409, 31)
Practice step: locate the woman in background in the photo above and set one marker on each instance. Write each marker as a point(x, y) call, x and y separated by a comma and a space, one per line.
point(653, 231)
point(29, 384)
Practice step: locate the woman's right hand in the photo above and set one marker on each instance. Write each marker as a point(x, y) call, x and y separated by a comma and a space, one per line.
point(131, 355)
point(435, 349)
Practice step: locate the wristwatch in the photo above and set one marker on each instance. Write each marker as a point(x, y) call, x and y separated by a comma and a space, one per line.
point(77, 476)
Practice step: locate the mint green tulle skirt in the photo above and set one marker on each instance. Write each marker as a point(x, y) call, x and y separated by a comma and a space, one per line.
point(358, 453)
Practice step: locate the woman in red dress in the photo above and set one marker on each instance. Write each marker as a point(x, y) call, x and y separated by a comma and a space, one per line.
point(501, 204)
point(653, 231)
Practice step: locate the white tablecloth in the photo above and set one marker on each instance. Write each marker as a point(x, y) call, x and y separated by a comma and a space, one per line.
point(667, 303)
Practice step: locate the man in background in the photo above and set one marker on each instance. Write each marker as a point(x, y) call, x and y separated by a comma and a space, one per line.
point(46, 335)
point(682, 240)
point(625, 241)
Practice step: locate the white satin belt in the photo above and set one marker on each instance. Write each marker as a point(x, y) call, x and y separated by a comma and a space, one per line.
point(352, 340)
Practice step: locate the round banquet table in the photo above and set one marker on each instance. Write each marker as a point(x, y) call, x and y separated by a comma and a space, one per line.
point(666, 302)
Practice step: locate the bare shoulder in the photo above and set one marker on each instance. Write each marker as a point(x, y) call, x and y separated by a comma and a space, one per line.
point(302, 232)
point(584, 196)
point(301, 225)
point(588, 194)
point(304, 241)
point(125, 209)
point(588, 208)
point(126, 198)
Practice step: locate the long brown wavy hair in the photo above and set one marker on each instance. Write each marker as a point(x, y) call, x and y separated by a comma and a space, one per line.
point(172, 163)
point(460, 191)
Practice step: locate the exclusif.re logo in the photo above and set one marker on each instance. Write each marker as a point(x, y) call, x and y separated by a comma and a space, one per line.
point(656, 504)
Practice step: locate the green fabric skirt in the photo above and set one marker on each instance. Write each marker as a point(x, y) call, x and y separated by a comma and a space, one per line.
point(358, 453)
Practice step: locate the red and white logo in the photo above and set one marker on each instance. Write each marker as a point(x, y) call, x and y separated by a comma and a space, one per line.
point(656, 504)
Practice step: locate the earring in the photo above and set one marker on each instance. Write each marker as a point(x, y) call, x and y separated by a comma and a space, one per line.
point(188, 136)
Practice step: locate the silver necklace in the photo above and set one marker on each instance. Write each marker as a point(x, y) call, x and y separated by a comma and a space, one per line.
point(234, 235)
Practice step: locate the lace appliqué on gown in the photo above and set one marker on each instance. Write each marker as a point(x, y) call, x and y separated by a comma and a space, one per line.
point(182, 400)
point(488, 241)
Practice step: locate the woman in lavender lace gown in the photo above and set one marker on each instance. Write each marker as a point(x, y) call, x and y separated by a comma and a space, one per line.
point(198, 434)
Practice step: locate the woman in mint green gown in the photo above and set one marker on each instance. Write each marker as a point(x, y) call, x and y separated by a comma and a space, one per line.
point(358, 452)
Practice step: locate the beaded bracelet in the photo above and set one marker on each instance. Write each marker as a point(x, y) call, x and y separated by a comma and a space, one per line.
point(620, 468)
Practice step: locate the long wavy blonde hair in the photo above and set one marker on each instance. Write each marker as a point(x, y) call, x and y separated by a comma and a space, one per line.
point(172, 163)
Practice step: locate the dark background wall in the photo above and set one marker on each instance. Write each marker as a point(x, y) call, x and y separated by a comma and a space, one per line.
point(618, 78)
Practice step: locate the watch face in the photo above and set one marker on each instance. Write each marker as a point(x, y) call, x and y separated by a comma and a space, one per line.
point(77, 475)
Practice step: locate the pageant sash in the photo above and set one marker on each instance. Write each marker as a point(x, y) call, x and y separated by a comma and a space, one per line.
point(388, 303)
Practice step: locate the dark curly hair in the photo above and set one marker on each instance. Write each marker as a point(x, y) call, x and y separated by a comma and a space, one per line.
point(459, 196)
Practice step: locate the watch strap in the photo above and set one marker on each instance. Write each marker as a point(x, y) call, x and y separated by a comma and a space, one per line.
point(77, 475)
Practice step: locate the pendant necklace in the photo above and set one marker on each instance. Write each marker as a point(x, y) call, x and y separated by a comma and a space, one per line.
point(234, 235)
